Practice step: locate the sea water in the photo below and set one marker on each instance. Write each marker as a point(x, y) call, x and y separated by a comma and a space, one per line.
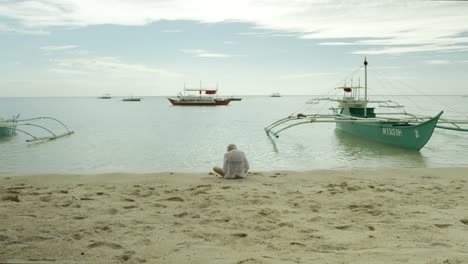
point(154, 136)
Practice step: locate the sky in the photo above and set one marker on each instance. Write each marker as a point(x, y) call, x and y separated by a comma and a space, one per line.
point(243, 47)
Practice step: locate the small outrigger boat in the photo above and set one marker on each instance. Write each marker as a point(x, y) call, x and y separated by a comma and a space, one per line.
point(401, 129)
point(235, 98)
point(105, 96)
point(9, 127)
point(205, 97)
point(132, 99)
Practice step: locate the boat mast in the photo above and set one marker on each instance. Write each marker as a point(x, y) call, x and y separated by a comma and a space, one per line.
point(365, 87)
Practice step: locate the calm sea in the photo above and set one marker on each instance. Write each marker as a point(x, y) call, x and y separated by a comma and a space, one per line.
point(154, 136)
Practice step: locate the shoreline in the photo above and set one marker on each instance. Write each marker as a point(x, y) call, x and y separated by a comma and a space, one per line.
point(414, 215)
point(210, 172)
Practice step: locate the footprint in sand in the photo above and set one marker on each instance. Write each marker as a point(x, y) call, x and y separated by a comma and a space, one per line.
point(175, 199)
point(249, 260)
point(343, 227)
point(104, 244)
point(181, 215)
point(283, 224)
point(103, 228)
point(112, 211)
point(442, 225)
point(242, 235)
point(199, 192)
point(127, 255)
point(265, 212)
point(46, 198)
point(77, 236)
point(12, 198)
point(464, 221)
point(158, 205)
point(225, 219)
point(297, 244)
point(368, 208)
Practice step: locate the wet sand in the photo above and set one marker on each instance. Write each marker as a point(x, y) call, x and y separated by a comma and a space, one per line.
point(332, 216)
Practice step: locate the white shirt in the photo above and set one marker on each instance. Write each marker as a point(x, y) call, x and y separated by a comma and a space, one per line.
point(235, 164)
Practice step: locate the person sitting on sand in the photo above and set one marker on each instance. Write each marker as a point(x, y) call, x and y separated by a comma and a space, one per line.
point(235, 164)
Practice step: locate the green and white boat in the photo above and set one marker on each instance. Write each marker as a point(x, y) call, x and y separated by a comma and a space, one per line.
point(401, 129)
point(9, 127)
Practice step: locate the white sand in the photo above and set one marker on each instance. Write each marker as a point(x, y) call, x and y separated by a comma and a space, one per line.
point(355, 216)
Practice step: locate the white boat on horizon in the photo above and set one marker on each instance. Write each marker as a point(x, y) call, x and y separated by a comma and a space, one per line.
point(199, 97)
point(105, 96)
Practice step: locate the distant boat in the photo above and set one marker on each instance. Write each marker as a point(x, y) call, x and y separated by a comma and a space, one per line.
point(132, 99)
point(275, 95)
point(234, 98)
point(199, 97)
point(105, 96)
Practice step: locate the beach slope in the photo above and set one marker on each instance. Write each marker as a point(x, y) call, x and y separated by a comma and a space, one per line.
point(332, 216)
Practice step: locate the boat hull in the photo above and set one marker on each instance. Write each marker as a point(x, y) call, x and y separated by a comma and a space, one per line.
point(7, 131)
point(403, 135)
point(199, 102)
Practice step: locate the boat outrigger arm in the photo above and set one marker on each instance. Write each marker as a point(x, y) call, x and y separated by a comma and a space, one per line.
point(50, 134)
point(300, 119)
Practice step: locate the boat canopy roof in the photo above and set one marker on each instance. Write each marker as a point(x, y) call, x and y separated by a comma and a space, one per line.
point(207, 91)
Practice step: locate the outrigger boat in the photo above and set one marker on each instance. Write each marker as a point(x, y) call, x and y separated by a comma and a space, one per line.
point(401, 129)
point(9, 127)
point(132, 99)
point(205, 97)
point(235, 98)
point(105, 96)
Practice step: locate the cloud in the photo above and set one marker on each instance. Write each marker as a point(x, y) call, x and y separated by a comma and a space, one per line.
point(19, 30)
point(104, 65)
point(337, 43)
point(399, 26)
point(172, 31)
point(304, 75)
point(205, 54)
point(445, 62)
point(412, 49)
point(58, 48)
point(438, 62)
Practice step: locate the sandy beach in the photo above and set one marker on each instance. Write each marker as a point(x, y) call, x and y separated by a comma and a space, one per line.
point(333, 216)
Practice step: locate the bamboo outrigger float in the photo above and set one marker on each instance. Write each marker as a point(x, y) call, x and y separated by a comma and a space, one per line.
point(9, 127)
point(402, 129)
